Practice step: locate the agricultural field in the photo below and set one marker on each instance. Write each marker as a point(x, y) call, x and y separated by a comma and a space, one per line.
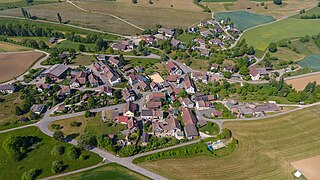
point(260, 37)
point(93, 125)
point(74, 45)
point(285, 54)
point(83, 60)
point(243, 19)
point(108, 171)
point(7, 47)
point(314, 11)
point(9, 4)
point(288, 8)
point(7, 106)
point(265, 150)
point(14, 64)
point(300, 83)
point(312, 62)
point(40, 157)
point(143, 62)
point(310, 167)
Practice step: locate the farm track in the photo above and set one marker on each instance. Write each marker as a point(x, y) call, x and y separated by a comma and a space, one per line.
point(107, 14)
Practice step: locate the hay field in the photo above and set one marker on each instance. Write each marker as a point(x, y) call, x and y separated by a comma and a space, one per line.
point(260, 37)
point(265, 150)
point(288, 8)
point(7, 47)
point(149, 16)
point(76, 17)
point(14, 64)
point(300, 83)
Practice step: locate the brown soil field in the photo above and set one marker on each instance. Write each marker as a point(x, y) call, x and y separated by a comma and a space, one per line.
point(300, 83)
point(7, 47)
point(14, 64)
point(309, 167)
point(288, 8)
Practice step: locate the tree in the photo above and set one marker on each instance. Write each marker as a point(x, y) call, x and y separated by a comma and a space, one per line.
point(59, 18)
point(134, 1)
point(90, 102)
point(43, 45)
point(273, 47)
point(82, 48)
point(31, 174)
point(58, 135)
point(227, 74)
point(226, 132)
point(87, 140)
point(57, 167)
point(294, 97)
point(24, 13)
point(57, 150)
point(73, 152)
point(183, 93)
point(251, 50)
point(87, 114)
point(277, 2)
point(244, 71)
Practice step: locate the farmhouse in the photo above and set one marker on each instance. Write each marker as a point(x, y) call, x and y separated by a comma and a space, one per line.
point(203, 105)
point(199, 76)
point(175, 42)
point(119, 47)
point(186, 102)
point(190, 122)
point(257, 73)
point(7, 88)
point(166, 31)
point(57, 71)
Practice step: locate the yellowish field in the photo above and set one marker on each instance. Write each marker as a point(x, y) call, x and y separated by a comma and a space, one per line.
point(300, 83)
point(149, 16)
point(7, 47)
point(287, 54)
point(288, 8)
point(265, 150)
point(14, 64)
point(309, 167)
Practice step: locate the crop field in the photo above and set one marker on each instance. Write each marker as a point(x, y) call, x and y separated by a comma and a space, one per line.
point(243, 19)
point(286, 54)
point(311, 12)
point(309, 167)
point(40, 157)
point(108, 171)
point(149, 16)
point(312, 62)
point(14, 64)
point(76, 17)
point(6, 4)
point(260, 37)
point(300, 83)
point(83, 60)
point(288, 8)
point(74, 45)
point(7, 47)
point(265, 150)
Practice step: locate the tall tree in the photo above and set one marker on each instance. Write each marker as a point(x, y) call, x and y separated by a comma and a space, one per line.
point(59, 18)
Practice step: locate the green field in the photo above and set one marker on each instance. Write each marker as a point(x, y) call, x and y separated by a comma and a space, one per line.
point(244, 20)
point(83, 60)
point(8, 4)
point(74, 45)
point(286, 54)
point(143, 62)
point(312, 62)
point(7, 113)
point(260, 37)
point(265, 150)
point(40, 157)
point(7, 47)
point(311, 12)
point(186, 37)
point(108, 171)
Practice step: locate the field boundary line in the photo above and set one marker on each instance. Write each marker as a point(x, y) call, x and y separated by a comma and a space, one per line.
point(96, 12)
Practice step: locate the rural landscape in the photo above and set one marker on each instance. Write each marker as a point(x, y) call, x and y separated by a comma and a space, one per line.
point(159, 89)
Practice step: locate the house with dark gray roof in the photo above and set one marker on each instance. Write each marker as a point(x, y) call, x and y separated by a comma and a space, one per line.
point(57, 71)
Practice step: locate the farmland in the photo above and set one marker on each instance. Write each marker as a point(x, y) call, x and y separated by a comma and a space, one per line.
point(40, 157)
point(14, 64)
point(7, 4)
point(260, 37)
point(108, 171)
point(75, 45)
point(7, 114)
point(7, 47)
point(83, 60)
point(244, 20)
point(265, 150)
point(300, 83)
point(312, 62)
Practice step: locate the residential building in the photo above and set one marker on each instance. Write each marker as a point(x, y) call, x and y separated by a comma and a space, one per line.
point(130, 109)
point(190, 122)
point(173, 68)
point(257, 73)
point(166, 31)
point(128, 94)
point(107, 90)
point(38, 108)
point(189, 86)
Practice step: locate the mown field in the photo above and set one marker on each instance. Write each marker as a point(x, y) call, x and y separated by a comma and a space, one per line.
point(244, 20)
point(14, 64)
point(265, 150)
point(83, 60)
point(311, 12)
point(108, 171)
point(7, 4)
point(7, 47)
point(260, 37)
point(40, 157)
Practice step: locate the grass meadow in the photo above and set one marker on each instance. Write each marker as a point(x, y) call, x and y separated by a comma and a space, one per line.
point(40, 157)
point(265, 150)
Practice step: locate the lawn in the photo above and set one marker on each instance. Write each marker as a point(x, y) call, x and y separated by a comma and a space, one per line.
point(40, 157)
point(143, 62)
point(93, 125)
point(260, 37)
point(265, 150)
point(311, 12)
point(243, 19)
point(312, 62)
point(211, 128)
point(7, 47)
point(83, 60)
point(14, 64)
point(108, 171)
point(75, 45)
point(186, 37)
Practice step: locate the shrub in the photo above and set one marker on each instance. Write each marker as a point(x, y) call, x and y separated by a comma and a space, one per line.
point(57, 167)
point(31, 174)
point(73, 152)
point(58, 135)
point(277, 2)
point(56, 126)
point(57, 150)
point(75, 124)
point(273, 47)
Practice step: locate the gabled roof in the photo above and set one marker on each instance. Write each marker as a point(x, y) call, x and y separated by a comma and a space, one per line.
point(188, 117)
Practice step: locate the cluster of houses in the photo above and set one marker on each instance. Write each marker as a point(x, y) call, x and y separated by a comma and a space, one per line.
point(108, 71)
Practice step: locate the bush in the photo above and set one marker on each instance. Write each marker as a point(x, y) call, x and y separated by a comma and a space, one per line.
point(273, 47)
point(57, 150)
point(56, 126)
point(73, 152)
point(31, 174)
point(58, 135)
point(57, 167)
point(75, 124)
point(277, 2)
